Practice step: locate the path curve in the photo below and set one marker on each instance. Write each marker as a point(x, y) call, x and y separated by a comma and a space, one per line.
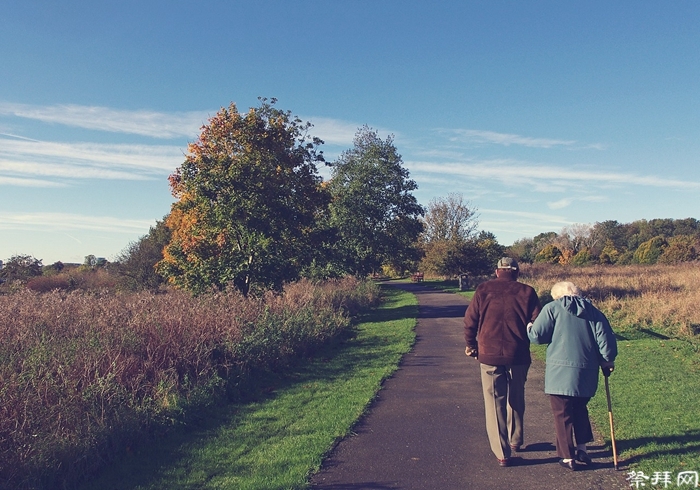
point(426, 428)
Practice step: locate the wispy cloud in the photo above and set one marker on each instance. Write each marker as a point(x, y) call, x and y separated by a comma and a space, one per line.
point(504, 139)
point(141, 122)
point(65, 221)
point(519, 223)
point(546, 177)
point(23, 182)
point(24, 157)
point(334, 131)
point(561, 203)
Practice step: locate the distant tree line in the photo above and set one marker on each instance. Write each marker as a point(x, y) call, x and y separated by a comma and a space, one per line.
point(665, 241)
point(253, 213)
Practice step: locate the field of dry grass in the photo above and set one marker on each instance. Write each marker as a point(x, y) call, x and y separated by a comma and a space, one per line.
point(84, 373)
point(659, 298)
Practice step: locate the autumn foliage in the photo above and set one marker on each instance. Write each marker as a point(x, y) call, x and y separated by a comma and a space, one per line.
point(248, 196)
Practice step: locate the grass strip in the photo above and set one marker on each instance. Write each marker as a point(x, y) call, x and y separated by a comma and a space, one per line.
point(279, 435)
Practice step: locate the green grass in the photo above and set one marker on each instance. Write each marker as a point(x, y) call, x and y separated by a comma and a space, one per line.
point(655, 392)
point(279, 435)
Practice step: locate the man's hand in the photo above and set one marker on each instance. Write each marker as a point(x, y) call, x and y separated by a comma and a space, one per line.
point(607, 367)
point(470, 352)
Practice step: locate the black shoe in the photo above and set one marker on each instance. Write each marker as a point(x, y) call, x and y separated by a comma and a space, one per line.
point(583, 457)
point(569, 465)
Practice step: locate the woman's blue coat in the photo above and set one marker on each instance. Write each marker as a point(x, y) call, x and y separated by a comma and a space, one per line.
point(579, 338)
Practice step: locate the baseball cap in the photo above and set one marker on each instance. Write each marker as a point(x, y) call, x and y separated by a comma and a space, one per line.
point(507, 263)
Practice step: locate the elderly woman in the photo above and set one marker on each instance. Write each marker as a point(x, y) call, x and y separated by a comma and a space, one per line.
point(580, 341)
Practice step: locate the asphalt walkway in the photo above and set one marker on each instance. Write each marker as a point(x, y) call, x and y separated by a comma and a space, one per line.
point(426, 428)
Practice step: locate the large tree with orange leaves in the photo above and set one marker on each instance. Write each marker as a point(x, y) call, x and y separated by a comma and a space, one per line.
point(248, 198)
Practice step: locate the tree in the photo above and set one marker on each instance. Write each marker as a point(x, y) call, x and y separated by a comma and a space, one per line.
point(376, 217)
point(20, 268)
point(448, 242)
point(550, 254)
point(487, 251)
point(248, 195)
point(449, 218)
point(609, 254)
point(136, 265)
point(522, 250)
point(681, 248)
point(650, 251)
point(583, 257)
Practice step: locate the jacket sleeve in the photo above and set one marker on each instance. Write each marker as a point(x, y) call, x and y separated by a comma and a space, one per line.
point(471, 322)
point(535, 306)
point(605, 338)
point(543, 327)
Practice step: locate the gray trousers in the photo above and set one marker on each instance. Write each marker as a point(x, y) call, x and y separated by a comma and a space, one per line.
point(504, 403)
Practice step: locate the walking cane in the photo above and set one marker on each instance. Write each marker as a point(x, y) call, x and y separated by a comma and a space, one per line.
point(606, 374)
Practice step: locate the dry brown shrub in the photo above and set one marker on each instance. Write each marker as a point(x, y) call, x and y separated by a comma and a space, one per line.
point(662, 297)
point(82, 373)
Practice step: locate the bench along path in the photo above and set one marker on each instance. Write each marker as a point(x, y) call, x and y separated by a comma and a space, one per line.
point(426, 428)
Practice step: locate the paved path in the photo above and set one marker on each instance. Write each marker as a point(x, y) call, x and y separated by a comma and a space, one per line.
point(426, 428)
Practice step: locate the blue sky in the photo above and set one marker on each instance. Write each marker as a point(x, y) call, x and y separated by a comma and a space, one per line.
point(542, 114)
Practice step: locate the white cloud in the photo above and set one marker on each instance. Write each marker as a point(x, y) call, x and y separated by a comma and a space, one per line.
point(561, 203)
point(85, 160)
point(333, 131)
point(22, 182)
point(545, 178)
point(65, 221)
point(146, 123)
point(505, 139)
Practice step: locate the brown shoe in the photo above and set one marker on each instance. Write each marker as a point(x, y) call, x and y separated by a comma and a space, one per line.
point(504, 462)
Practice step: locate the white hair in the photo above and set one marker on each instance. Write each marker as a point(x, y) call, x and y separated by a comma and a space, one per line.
point(565, 288)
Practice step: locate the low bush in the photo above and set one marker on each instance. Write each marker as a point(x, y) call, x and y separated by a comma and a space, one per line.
point(83, 375)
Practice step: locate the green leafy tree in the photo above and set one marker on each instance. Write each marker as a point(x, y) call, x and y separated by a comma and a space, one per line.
point(248, 196)
point(376, 217)
point(20, 268)
point(522, 250)
point(650, 251)
point(687, 226)
point(550, 254)
point(583, 257)
point(136, 265)
point(609, 253)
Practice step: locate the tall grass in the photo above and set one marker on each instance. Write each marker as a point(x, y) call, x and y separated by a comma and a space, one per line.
point(83, 375)
point(653, 311)
point(660, 298)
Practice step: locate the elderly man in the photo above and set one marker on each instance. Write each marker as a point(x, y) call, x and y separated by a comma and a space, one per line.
point(495, 329)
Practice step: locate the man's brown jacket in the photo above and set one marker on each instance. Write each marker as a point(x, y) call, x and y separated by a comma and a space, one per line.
point(495, 323)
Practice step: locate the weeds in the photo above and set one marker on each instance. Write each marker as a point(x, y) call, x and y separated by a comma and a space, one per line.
point(660, 298)
point(84, 374)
